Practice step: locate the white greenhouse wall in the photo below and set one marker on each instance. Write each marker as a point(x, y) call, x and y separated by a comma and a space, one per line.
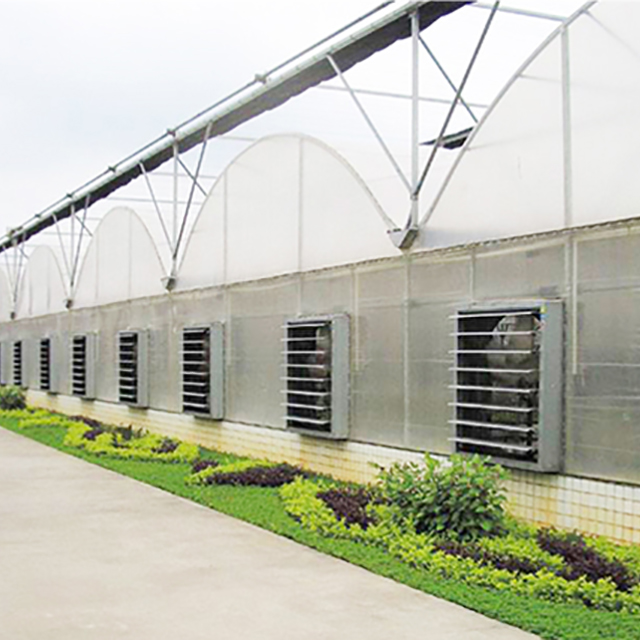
point(288, 203)
point(546, 157)
point(5, 297)
point(42, 289)
point(121, 262)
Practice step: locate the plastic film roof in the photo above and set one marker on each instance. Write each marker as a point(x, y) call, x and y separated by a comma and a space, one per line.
point(272, 94)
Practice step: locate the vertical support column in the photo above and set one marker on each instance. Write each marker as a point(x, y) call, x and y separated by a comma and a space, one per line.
point(300, 221)
point(406, 348)
point(72, 246)
point(174, 226)
point(567, 149)
point(415, 114)
point(566, 129)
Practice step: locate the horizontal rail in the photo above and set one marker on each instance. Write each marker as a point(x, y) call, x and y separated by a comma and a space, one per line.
point(491, 407)
point(487, 370)
point(493, 351)
point(314, 407)
point(493, 445)
point(459, 334)
point(490, 425)
point(492, 314)
point(463, 387)
point(295, 392)
point(306, 420)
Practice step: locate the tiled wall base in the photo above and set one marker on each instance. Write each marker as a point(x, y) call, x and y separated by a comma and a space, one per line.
point(592, 506)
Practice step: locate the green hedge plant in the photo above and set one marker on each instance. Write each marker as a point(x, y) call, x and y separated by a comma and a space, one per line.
point(462, 499)
point(12, 398)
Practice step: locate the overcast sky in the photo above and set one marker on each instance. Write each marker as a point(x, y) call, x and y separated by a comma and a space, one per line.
point(83, 84)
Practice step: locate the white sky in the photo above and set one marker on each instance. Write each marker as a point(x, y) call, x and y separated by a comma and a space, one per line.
point(83, 84)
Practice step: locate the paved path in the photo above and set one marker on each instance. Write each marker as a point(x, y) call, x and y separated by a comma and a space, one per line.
point(88, 554)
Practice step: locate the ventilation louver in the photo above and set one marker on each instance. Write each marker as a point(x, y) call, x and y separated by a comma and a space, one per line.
point(132, 374)
point(202, 370)
point(508, 384)
point(317, 376)
point(17, 363)
point(83, 366)
point(4, 364)
point(45, 364)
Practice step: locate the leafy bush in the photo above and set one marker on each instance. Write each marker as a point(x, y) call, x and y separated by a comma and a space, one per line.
point(525, 548)
point(12, 398)
point(460, 500)
point(348, 504)
point(628, 554)
point(513, 563)
point(166, 446)
point(90, 422)
point(583, 560)
point(201, 465)
point(260, 473)
point(201, 476)
point(127, 443)
point(93, 432)
point(270, 476)
point(419, 550)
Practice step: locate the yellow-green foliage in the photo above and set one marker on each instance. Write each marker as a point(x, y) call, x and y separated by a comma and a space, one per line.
point(629, 554)
point(43, 419)
point(416, 549)
point(522, 548)
point(26, 414)
point(231, 467)
point(113, 444)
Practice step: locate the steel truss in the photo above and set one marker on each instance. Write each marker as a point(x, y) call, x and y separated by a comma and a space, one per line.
point(263, 92)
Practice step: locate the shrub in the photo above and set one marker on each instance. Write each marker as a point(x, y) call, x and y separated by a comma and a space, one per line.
point(418, 550)
point(513, 563)
point(90, 422)
point(201, 465)
point(583, 560)
point(128, 443)
point(348, 504)
point(42, 419)
point(202, 475)
point(260, 473)
point(12, 398)
point(92, 433)
point(462, 499)
point(271, 476)
point(166, 446)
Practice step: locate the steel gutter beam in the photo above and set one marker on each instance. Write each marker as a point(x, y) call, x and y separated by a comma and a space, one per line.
point(270, 94)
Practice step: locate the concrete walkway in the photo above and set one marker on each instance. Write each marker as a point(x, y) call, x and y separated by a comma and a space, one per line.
point(86, 553)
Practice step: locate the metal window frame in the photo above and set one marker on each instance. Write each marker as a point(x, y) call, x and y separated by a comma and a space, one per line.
point(88, 365)
point(141, 368)
point(17, 350)
point(49, 385)
point(339, 377)
point(5, 375)
point(216, 393)
point(550, 426)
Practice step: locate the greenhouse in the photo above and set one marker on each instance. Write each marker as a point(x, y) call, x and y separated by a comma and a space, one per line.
point(330, 274)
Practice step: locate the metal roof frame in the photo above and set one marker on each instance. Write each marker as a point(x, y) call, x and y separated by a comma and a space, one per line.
point(251, 101)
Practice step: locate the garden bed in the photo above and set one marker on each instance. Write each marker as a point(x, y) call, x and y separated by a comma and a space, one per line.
point(559, 585)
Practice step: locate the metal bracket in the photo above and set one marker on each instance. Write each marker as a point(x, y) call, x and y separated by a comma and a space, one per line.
point(404, 238)
point(169, 282)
